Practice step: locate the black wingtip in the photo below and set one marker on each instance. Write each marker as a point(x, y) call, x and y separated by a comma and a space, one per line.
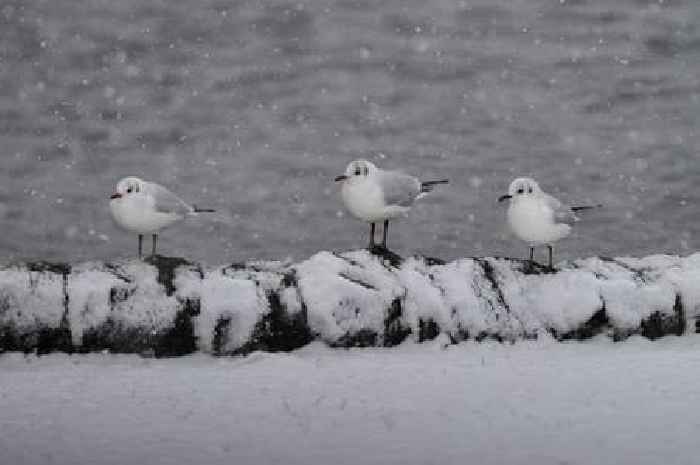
point(203, 210)
point(428, 186)
point(439, 181)
point(586, 207)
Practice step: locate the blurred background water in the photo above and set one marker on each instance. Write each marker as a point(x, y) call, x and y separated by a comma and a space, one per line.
point(252, 107)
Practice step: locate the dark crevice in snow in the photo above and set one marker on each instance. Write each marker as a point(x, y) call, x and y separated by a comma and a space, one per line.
point(114, 270)
point(289, 279)
point(490, 274)
point(346, 259)
point(395, 332)
point(180, 338)
point(527, 267)
point(49, 339)
point(431, 261)
point(53, 339)
point(639, 274)
point(220, 337)
point(119, 338)
point(594, 326)
point(120, 294)
point(166, 267)
point(357, 281)
point(427, 330)
point(660, 324)
point(279, 330)
point(49, 267)
point(234, 267)
point(394, 259)
point(361, 338)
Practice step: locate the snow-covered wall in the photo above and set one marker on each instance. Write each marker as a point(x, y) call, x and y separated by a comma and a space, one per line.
point(168, 306)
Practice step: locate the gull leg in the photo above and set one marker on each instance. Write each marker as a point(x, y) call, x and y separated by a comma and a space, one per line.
point(155, 241)
point(386, 228)
point(140, 246)
point(371, 236)
point(551, 252)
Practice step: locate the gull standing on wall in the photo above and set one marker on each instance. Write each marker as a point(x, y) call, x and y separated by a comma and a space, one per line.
point(536, 217)
point(372, 194)
point(144, 207)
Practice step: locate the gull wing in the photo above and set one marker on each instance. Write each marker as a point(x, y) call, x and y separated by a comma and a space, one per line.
point(560, 213)
point(165, 201)
point(398, 188)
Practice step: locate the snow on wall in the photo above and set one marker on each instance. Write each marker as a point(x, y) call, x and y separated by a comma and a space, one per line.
point(344, 299)
point(144, 301)
point(89, 286)
point(346, 293)
point(224, 296)
point(31, 299)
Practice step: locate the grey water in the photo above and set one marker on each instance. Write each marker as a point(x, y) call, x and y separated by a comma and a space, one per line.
point(253, 107)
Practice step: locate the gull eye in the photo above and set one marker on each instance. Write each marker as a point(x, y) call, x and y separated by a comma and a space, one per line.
point(521, 191)
point(358, 171)
point(128, 191)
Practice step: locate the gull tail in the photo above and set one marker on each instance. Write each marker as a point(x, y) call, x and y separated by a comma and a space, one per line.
point(428, 186)
point(196, 209)
point(585, 207)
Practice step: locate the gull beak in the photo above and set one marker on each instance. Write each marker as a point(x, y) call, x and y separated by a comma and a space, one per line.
point(505, 197)
point(341, 178)
point(116, 195)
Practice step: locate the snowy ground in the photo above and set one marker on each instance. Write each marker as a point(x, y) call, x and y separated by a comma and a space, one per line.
point(531, 403)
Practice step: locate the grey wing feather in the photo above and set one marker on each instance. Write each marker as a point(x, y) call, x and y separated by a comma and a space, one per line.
point(562, 213)
point(167, 202)
point(399, 188)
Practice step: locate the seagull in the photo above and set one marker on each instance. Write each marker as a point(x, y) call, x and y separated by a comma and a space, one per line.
point(372, 194)
point(144, 207)
point(538, 218)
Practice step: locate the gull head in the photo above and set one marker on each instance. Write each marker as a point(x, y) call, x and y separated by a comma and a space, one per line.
point(521, 188)
point(126, 187)
point(358, 169)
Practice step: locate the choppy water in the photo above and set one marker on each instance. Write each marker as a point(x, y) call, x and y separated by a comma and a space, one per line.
point(254, 107)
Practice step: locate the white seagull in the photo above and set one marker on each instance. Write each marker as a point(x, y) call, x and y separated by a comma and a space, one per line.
point(538, 218)
point(372, 194)
point(144, 207)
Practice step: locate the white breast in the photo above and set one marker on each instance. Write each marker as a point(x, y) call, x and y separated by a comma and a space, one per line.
point(533, 222)
point(364, 200)
point(135, 213)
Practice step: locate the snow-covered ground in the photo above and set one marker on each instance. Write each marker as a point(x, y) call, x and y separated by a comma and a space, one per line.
point(598, 402)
